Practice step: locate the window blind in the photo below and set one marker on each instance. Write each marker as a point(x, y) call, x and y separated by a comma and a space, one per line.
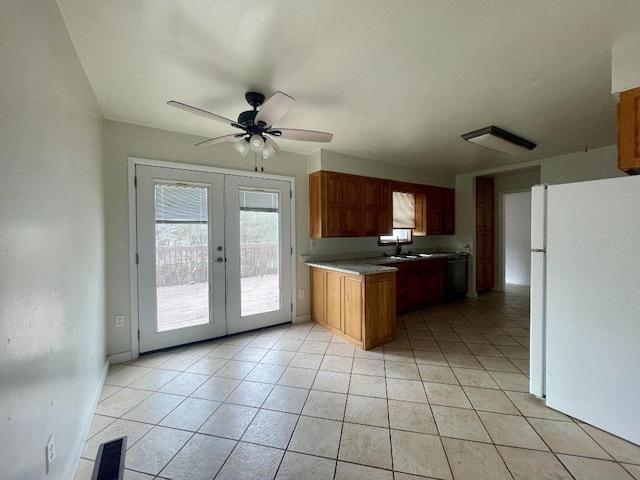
point(181, 204)
point(404, 210)
point(257, 201)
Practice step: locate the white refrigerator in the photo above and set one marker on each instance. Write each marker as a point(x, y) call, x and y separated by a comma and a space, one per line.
point(585, 302)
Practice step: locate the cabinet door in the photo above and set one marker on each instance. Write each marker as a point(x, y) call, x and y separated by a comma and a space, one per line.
point(489, 261)
point(333, 203)
point(415, 288)
point(434, 211)
point(317, 295)
point(421, 215)
point(370, 207)
point(629, 131)
point(352, 321)
point(480, 261)
point(385, 209)
point(370, 221)
point(448, 211)
point(377, 207)
point(351, 205)
point(380, 308)
point(484, 233)
point(401, 289)
point(315, 205)
point(434, 282)
point(333, 309)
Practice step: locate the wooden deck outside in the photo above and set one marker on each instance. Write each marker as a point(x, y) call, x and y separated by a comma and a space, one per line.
point(182, 306)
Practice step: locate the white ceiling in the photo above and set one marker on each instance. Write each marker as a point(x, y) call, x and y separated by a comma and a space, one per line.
point(397, 81)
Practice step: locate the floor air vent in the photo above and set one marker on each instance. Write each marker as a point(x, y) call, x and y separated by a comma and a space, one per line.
point(110, 460)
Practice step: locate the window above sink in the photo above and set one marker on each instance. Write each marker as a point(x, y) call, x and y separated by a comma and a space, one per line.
point(402, 236)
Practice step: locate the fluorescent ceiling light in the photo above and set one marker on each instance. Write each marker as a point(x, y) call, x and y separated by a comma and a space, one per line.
point(499, 140)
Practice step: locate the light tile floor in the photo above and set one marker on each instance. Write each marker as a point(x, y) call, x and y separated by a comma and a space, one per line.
point(447, 400)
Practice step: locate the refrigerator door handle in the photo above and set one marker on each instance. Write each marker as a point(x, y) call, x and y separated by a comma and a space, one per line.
point(538, 250)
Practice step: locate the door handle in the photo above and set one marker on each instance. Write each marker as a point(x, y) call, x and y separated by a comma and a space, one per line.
point(219, 260)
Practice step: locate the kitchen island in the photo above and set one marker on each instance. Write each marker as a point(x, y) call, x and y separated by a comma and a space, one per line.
point(358, 299)
point(356, 302)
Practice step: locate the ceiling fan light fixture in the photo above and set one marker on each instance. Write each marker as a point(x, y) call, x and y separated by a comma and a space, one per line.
point(268, 152)
point(257, 142)
point(242, 147)
point(499, 140)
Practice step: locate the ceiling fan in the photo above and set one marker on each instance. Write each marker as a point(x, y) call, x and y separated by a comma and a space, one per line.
point(257, 125)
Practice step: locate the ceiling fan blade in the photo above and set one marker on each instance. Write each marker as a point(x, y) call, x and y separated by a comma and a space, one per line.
point(202, 113)
point(276, 107)
point(274, 145)
point(304, 135)
point(213, 141)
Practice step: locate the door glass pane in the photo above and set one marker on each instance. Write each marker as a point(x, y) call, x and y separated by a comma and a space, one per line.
point(182, 246)
point(259, 251)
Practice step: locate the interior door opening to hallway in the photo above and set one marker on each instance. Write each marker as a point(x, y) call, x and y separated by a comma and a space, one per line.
point(214, 254)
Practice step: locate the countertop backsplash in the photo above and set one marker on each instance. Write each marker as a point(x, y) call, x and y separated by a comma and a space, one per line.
point(328, 249)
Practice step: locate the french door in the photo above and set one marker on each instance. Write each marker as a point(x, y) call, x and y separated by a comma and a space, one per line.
point(214, 254)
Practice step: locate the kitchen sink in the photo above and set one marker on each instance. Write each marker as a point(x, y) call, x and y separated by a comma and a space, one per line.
point(409, 256)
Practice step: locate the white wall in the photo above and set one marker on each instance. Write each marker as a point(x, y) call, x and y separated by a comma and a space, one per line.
point(52, 353)
point(517, 237)
point(339, 162)
point(594, 164)
point(581, 166)
point(625, 66)
point(122, 140)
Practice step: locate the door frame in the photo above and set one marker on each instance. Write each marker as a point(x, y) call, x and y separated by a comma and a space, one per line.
point(133, 235)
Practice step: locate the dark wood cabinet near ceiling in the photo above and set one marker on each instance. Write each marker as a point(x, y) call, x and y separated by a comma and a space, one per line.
point(345, 205)
point(435, 211)
point(485, 233)
point(629, 131)
point(377, 208)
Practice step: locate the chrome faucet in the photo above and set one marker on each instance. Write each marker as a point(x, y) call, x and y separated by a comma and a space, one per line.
point(398, 246)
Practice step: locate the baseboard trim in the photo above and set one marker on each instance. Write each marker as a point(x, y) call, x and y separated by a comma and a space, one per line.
point(86, 421)
point(120, 358)
point(302, 318)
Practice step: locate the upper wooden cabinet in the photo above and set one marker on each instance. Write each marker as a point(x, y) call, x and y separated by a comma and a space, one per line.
point(343, 205)
point(629, 131)
point(435, 211)
point(377, 208)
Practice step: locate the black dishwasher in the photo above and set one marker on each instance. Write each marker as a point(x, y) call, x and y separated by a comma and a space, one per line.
point(456, 276)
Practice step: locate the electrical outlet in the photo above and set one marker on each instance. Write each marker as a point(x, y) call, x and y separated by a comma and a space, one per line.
point(313, 242)
point(301, 293)
point(119, 321)
point(50, 451)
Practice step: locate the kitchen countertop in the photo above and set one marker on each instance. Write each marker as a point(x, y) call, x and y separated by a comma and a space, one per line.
point(374, 265)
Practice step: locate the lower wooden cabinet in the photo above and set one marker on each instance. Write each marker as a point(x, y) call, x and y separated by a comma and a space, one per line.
point(420, 284)
point(359, 308)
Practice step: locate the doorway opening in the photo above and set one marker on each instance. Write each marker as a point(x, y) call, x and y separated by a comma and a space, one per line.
point(517, 238)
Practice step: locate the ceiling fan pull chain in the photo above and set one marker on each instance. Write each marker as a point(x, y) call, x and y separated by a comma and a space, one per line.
point(255, 161)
